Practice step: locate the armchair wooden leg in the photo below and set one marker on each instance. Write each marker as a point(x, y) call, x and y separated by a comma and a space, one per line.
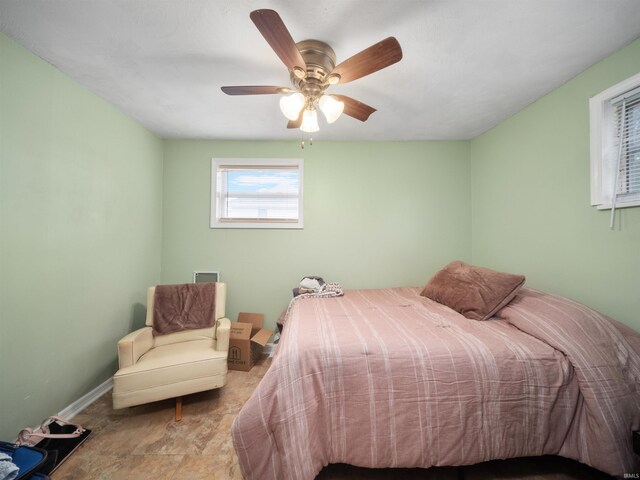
point(178, 409)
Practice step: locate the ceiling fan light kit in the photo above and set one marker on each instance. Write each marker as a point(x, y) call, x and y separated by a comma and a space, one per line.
point(331, 107)
point(312, 69)
point(291, 105)
point(309, 121)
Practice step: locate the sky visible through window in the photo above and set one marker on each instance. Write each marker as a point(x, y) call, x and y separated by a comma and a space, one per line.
point(262, 193)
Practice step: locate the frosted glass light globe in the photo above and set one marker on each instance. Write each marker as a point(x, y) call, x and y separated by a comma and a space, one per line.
point(309, 121)
point(291, 105)
point(331, 107)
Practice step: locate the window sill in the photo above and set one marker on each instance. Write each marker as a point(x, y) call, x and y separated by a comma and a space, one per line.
point(273, 225)
point(619, 205)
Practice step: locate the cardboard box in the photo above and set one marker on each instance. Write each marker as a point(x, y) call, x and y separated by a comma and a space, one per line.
point(247, 341)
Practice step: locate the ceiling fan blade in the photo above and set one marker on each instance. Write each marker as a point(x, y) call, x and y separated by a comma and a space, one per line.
point(295, 123)
point(370, 60)
point(355, 109)
point(278, 37)
point(254, 90)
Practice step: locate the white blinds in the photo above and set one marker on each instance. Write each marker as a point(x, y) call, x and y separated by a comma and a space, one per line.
point(627, 173)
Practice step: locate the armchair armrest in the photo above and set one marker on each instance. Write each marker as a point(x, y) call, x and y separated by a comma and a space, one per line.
point(222, 334)
point(134, 345)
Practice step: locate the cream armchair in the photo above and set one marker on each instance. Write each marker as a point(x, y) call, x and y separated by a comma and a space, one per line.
point(172, 365)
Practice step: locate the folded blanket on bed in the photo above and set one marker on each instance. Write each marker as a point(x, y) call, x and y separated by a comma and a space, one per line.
point(183, 307)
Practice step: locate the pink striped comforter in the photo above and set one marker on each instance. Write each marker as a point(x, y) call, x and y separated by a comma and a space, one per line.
point(386, 378)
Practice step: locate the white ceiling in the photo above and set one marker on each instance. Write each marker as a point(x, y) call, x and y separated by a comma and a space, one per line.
point(468, 64)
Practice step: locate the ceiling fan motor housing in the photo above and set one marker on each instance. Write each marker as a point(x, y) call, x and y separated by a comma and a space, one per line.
point(320, 60)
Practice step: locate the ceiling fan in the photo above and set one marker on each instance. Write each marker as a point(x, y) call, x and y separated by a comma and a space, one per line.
point(312, 69)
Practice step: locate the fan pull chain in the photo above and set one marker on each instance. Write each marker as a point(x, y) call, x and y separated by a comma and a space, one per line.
point(302, 142)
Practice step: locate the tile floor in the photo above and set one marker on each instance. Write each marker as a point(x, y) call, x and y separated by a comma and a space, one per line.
point(145, 442)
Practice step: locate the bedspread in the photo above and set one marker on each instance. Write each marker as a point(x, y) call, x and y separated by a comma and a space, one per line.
point(387, 378)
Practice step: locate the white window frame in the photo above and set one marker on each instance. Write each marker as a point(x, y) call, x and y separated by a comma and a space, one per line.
point(603, 146)
point(218, 222)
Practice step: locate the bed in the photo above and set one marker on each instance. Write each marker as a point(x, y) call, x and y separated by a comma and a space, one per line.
point(390, 378)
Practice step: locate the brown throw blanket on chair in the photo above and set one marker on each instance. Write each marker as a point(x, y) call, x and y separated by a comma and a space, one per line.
point(183, 307)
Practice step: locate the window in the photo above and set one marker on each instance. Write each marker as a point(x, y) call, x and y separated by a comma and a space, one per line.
point(256, 193)
point(615, 146)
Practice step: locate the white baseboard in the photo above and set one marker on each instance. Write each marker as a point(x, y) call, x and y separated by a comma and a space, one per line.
point(83, 402)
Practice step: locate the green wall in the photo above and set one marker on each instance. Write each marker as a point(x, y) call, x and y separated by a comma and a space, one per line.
point(80, 229)
point(376, 214)
point(530, 200)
